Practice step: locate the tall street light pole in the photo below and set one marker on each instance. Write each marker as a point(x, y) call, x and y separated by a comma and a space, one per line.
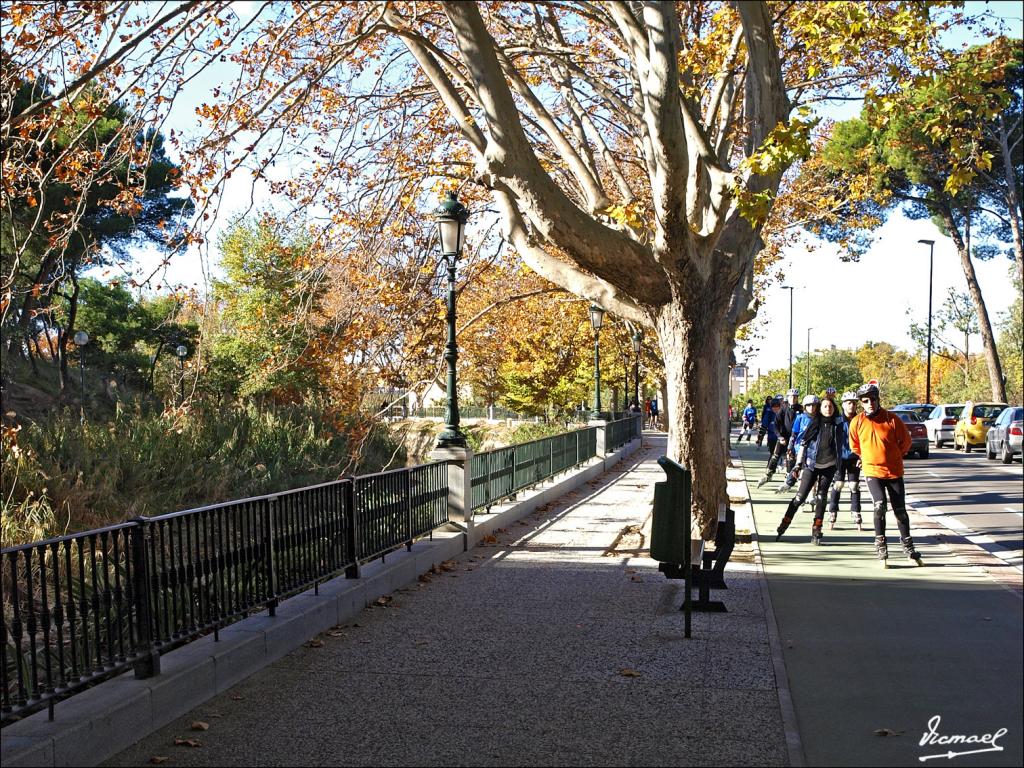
point(931, 265)
point(638, 338)
point(790, 288)
point(81, 339)
point(597, 320)
point(808, 367)
point(451, 218)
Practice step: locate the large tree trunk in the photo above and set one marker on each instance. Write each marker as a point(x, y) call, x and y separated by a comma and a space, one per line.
point(995, 369)
point(694, 367)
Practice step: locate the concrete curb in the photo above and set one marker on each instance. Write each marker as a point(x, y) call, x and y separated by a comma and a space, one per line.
point(102, 721)
point(790, 725)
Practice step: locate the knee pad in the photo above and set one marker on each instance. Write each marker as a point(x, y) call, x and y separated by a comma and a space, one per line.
point(837, 486)
point(879, 506)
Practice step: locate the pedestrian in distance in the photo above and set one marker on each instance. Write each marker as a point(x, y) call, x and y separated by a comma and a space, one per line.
point(881, 439)
point(749, 421)
point(817, 457)
point(647, 412)
point(654, 413)
point(848, 472)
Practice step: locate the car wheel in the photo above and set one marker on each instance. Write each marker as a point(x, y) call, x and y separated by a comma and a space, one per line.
point(938, 443)
point(989, 453)
point(967, 445)
point(923, 453)
point(1005, 456)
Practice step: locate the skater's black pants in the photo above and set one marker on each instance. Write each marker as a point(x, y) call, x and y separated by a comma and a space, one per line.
point(820, 476)
point(777, 452)
point(761, 432)
point(848, 473)
point(879, 488)
point(772, 442)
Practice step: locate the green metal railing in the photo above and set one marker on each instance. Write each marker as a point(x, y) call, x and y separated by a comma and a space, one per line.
point(618, 433)
point(503, 472)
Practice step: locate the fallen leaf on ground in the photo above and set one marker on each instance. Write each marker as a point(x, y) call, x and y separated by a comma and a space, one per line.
point(629, 672)
point(422, 642)
point(636, 578)
point(238, 698)
point(888, 732)
point(490, 539)
point(199, 725)
point(315, 643)
point(335, 634)
point(188, 742)
point(424, 578)
point(383, 600)
point(631, 570)
point(157, 759)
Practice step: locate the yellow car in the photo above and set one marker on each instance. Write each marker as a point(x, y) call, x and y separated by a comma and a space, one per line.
point(972, 426)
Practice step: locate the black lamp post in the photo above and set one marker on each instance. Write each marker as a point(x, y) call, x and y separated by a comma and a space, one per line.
point(638, 339)
point(451, 218)
point(808, 366)
point(790, 288)
point(928, 374)
point(81, 339)
point(597, 320)
point(182, 352)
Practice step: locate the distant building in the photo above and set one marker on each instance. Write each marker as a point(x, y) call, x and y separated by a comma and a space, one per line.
point(740, 380)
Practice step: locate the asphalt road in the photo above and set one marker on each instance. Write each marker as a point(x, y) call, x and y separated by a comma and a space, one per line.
point(980, 499)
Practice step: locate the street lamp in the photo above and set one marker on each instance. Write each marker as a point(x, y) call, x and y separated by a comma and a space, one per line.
point(808, 366)
point(931, 264)
point(182, 352)
point(597, 320)
point(790, 288)
point(81, 339)
point(451, 217)
point(638, 339)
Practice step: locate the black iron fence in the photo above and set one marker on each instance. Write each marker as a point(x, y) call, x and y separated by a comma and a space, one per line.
point(79, 608)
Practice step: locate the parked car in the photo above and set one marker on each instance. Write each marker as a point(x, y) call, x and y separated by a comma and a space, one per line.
point(918, 434)
point(921, 409)
point(940, 422)
point(972, 427)
point(1005, 435)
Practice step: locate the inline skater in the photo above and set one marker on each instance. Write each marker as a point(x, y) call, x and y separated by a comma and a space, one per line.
point(749, 420)
point(818, 455)
point(881, 439)
point(848, 472)
point(783, 429)
point(763, 428)
point(768, 424)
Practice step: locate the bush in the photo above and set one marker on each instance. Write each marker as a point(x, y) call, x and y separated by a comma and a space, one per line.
point(60, 476)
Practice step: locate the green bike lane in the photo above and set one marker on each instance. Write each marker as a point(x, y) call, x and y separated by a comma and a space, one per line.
point(873, 655)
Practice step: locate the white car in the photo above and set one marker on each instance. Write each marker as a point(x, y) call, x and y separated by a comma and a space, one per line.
point(941, 421)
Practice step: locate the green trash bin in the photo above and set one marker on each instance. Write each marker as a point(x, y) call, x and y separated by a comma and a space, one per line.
point(670, 527)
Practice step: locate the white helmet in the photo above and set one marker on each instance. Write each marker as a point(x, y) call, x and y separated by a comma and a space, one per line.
point(850, 395)
point(811, 400)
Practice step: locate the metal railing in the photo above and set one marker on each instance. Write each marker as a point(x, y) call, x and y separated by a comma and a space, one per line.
point(80, 608)
point(623, 430)
point(469, 412)
point(501, 473)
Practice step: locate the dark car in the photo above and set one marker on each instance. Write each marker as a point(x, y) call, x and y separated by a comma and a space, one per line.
point(1005, 435)
point(918, 434)
point(921, 409)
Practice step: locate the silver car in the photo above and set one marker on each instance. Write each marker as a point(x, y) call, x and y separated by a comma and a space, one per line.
point(940, 422)
point(1004, 436)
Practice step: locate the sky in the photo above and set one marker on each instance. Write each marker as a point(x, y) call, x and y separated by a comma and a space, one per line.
point(846, 304)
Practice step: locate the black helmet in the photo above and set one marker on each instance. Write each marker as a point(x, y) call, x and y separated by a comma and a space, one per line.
point(867, 390)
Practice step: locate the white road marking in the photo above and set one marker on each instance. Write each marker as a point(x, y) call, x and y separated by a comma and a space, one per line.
point(935, 474)
point(1014, 558)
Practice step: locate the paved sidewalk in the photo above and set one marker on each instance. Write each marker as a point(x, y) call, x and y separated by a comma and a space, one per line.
point(558, 644)
point(868, 649)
